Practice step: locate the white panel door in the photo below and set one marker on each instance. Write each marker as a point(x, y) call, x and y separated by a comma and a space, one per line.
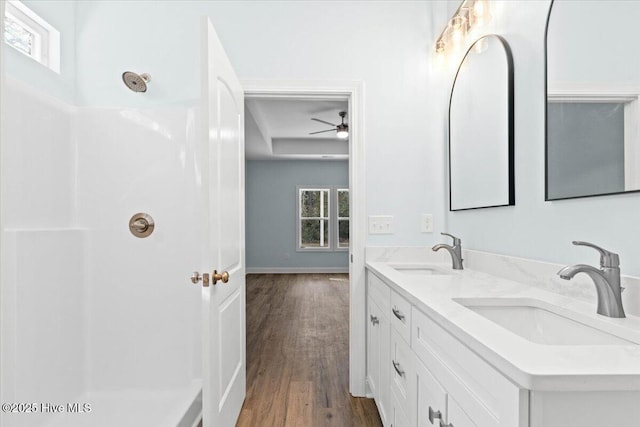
point(224, 345)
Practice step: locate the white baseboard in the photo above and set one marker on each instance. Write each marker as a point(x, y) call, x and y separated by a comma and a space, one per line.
point(295, 270)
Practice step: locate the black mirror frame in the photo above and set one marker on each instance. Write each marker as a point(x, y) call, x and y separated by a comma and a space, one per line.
point(546, 127)
point(511, 131)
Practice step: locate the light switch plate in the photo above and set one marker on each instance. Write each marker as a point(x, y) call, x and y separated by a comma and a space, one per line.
point(381, 224)
point(426, 223)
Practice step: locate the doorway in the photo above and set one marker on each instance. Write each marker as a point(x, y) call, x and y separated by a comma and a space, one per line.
point(352, 94)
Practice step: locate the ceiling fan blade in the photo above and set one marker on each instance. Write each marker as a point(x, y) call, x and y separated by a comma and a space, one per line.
point(322, 131)
point(322, 121)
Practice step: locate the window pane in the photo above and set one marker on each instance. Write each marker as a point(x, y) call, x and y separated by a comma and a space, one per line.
point(314, 233)
point(343, 203)
point(325, 226)
point(325, 202)
point(310, 233)
point(309, 203)
point(343, 233)
point(17, 36)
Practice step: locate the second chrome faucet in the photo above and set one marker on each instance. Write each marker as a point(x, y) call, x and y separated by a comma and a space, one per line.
point(455, 251)
point(606, 279)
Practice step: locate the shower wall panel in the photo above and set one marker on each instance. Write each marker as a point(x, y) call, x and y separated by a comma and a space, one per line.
point(144, 313)
point(44, 264)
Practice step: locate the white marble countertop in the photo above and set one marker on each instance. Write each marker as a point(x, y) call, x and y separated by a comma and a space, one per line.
point(529, 365)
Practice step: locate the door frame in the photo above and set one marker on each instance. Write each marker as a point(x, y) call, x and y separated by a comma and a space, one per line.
point(353, 92)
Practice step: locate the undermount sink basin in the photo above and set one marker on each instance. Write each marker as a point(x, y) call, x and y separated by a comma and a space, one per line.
point(418, 270)
point(542, 323)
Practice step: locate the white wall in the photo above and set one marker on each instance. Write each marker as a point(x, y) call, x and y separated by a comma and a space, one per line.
point(580, 56)
point(535, 228)
point(385, 44)
point(271, 213)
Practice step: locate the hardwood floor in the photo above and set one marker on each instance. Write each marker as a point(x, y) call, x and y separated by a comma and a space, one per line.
point(298, 353)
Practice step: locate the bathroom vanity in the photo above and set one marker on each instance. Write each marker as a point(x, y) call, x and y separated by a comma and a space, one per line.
point(470, 349)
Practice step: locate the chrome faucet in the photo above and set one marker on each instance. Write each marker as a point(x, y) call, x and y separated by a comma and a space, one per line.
point(455, 251)
point(606, 279)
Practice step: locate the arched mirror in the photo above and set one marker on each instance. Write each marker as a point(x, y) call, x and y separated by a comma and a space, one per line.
point(481, 169)
point(593, 87)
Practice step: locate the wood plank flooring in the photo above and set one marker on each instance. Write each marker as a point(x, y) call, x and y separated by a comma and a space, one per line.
point(298, 353)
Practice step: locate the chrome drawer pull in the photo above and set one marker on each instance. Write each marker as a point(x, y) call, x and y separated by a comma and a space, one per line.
point(434, 414)
point(396, 366)
point(398, 314)
point(374, 319)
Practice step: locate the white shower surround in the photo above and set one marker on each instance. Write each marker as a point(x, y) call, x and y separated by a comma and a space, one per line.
point(101, 316)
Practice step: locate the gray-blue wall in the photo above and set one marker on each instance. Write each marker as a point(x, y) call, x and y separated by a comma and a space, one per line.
point(271, 218)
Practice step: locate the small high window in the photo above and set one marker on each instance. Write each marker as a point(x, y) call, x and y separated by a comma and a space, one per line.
point(31, 35)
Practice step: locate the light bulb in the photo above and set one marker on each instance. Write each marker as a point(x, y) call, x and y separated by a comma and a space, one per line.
point(480, 12)
point(458, 29)
point(342, 134)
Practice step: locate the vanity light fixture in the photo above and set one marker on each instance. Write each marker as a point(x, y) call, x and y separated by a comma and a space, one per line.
point(470, 14)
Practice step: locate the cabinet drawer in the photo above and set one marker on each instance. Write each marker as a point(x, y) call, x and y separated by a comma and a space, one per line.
point(431, 398)
point(398, 416)
point(457, 417)
point(379, 292)
point(403, 372)
point(400, 315)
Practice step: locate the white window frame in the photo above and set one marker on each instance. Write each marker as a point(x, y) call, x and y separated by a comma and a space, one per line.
point(339, 218)
point(324, 216)
point(332, 218)
point(46, 40)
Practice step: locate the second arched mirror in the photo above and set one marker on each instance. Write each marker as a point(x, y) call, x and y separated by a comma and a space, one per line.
point(481, 165)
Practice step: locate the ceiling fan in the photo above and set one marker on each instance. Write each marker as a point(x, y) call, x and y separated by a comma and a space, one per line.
point(342, 130)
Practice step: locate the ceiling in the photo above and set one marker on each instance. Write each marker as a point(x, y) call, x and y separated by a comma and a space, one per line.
point(279, 129)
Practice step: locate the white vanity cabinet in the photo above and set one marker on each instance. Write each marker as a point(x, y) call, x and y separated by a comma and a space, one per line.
point(446, 367)
point(420, 375)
